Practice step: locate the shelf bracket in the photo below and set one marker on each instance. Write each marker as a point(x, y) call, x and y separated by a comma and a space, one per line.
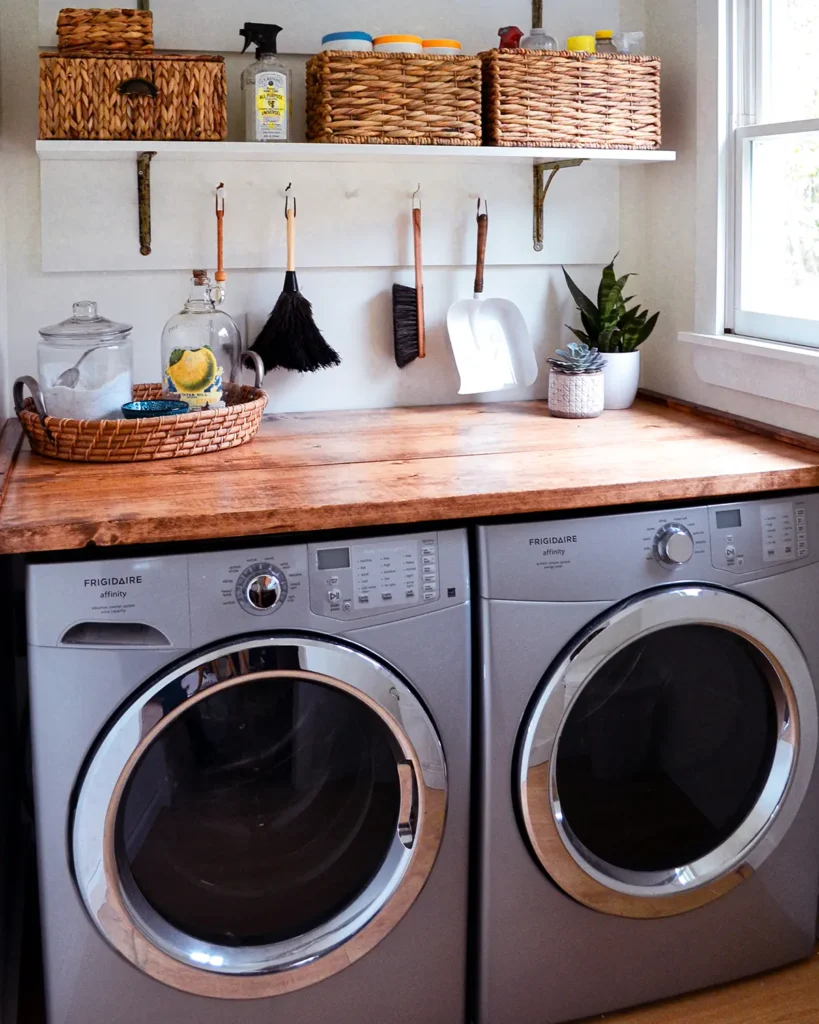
point(144, 200)
point(540, 188)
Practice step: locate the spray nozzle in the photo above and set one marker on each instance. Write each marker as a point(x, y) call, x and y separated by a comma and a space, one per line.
point(263, 37)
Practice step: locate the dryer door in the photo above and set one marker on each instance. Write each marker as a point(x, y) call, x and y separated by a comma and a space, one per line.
point(667, 752)
point(260, 816)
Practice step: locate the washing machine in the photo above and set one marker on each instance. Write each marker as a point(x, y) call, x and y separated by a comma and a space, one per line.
point(252, 782)
point(649, 817)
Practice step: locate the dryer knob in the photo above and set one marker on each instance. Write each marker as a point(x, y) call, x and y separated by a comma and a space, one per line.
point(673, 545)
point(263, 591)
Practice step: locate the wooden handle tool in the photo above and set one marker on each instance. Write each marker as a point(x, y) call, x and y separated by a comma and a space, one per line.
point(419, 280)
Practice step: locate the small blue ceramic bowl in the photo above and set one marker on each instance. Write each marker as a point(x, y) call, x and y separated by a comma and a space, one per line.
point(156, 407)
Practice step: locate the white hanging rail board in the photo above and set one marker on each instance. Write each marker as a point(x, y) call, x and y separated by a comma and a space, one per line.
point(212, 25)
point(353, 205)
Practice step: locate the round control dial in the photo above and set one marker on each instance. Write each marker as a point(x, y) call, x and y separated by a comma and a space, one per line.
point(673, 545)
point(261, 588)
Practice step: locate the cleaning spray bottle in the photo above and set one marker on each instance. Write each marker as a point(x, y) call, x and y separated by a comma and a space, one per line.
point(266, 87)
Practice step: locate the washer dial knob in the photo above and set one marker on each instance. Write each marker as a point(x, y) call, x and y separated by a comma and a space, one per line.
point(673, 545)
point(261, 588)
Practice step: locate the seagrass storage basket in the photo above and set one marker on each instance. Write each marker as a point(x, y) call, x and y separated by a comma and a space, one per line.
point(573, 100)
point(116, 30)
point(166, 437)
point(399, 98)
point(168, 97)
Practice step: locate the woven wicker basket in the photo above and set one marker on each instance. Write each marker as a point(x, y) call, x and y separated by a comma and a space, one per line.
point(403, 98)
point(574, 100)
point(165, 437)
point(117, 30)
point(89, 96)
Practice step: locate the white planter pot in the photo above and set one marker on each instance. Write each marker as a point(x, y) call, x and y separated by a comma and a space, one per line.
point(622, 377)
point(575, 396)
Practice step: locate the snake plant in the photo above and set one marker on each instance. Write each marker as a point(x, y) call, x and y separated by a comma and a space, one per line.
point(609, 325)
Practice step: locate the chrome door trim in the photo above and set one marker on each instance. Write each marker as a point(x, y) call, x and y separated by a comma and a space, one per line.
point(143, 937)
point(662, 894)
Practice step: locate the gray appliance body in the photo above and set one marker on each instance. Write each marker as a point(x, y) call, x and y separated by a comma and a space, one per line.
point(125, 654)
point(563, 934)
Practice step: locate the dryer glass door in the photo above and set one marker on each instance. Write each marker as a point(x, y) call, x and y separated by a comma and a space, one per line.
point(256, 813)
point(674, 737)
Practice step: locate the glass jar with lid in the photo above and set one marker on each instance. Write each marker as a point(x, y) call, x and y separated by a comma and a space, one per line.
point(201, 345)
point(86, 365)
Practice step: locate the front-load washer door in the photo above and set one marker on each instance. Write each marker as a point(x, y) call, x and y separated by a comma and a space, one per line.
point(259, 816)
point(667, 751)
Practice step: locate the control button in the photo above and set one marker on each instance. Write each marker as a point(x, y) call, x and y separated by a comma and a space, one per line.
point(430, 597)
point(428, 550)
point(789, 549)
point(332, 581)
point(740, 561)
point(429, 560)
point(430, 577)
point(673, 545)
point(333, 596)
point(363, 599)
point(347, 606)
point(386, 596)
point(410, 594)
point(729, 538)
point(801, 530)
point(429, 588)
point(263, 591)
point(730, 552)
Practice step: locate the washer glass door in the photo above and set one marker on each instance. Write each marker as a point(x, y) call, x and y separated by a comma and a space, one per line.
point(255, 813)
point(667, 751)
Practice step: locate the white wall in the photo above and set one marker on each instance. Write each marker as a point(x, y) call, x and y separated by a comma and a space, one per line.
point(673, 223)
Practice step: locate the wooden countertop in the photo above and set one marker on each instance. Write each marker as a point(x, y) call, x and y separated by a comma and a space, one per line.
point(318, 471)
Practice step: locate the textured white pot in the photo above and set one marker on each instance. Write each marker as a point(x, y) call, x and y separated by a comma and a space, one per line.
point(622, 377)
point(575, 396)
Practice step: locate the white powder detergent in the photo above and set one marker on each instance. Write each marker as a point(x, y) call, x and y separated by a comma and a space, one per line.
point(94, 398)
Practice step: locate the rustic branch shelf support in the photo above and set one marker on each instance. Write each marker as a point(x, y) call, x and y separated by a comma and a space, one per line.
point(144, 200)
point(540, 188)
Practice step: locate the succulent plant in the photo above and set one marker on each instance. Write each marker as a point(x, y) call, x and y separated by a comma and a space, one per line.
point(577, 357)
point(609, 325)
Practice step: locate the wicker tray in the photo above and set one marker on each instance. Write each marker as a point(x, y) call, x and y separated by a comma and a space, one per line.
point(115, 30)
point(573, 100)
point(168, 97)
point(394, 98)
point(166, 437)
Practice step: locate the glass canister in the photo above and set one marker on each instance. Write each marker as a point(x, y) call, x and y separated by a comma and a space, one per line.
point(201, 345)
point(86, 365)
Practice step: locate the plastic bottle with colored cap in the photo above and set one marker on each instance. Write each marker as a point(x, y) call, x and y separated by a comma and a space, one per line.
point(581, 44)
point(604, 42)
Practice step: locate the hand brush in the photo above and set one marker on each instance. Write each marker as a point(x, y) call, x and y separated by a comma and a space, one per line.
point(290, 339)
point(220, 276)
point(408, 303)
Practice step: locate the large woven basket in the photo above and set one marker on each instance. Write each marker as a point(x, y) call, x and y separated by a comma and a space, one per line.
point(165, 437)
point(403, 98)
point(91, 96)
point(116, 30)
point(573, 100)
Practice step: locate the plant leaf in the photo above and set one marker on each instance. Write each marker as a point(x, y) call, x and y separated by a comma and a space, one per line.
point(583, 302)
point(579, 334)
point(591, 325)
point(647, 328)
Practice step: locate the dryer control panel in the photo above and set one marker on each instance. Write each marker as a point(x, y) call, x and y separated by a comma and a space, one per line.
point(747, 537)
point(355, 579)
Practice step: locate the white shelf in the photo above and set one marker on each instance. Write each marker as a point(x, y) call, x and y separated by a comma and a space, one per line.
point(307, 152)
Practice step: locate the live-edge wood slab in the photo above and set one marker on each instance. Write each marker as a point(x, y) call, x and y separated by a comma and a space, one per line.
point(318, 471)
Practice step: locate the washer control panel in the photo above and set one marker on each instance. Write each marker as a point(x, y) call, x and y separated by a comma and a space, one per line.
point(674, 539)
point(357, 579)
point(261, 588)
point(751, 537)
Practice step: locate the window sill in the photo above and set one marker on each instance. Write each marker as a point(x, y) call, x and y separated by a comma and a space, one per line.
point(767, 369)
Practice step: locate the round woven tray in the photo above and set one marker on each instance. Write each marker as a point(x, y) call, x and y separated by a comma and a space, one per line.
point(165, 437)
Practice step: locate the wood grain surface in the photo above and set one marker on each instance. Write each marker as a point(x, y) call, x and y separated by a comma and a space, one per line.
point(317, 471)
point(788, 996)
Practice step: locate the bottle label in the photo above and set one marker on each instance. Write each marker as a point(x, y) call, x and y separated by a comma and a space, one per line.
point(194, 376)
point(271, 106)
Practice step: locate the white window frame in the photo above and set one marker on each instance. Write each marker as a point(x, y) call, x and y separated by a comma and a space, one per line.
point(749, 38)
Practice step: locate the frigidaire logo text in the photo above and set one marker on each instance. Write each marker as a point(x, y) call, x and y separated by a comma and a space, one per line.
point(113, 581)
point(570, 538)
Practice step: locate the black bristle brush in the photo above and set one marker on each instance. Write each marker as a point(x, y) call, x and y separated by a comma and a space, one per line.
point(408, 303)
point(290, 339)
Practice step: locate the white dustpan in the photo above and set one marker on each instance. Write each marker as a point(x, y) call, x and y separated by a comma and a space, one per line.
point(489, 337)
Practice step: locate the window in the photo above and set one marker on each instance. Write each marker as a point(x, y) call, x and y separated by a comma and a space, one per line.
point(773, 291)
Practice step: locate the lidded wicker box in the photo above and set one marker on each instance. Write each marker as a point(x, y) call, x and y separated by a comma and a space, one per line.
point(113, 30)
point(398, 98)
point(573, 100)
point(146, 97)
